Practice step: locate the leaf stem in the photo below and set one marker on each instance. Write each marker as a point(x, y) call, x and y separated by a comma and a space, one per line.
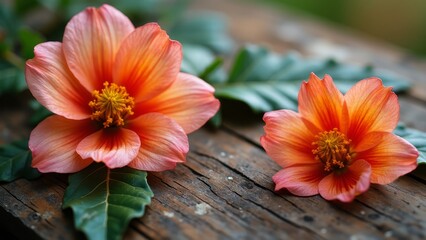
point(211, 68)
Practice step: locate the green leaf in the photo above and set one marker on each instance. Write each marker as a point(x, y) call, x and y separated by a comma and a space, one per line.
point(28, 40)
point(415, 137)
point(12, 79)
point(205, 29)
point(130, 8)
point(268, 81)
point(15, 162)
point(24, 6)
point(200, 61)
point(9, 23)
point(105, 200)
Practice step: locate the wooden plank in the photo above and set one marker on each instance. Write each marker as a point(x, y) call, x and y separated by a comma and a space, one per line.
point(191, 204)
point(223, 191)
point(257, 167)
point(37, 205)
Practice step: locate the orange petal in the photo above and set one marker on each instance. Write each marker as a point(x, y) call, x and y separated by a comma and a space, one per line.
point(148, 62)
point(53, 143)
point(53, 85)
point(189, 101)
point(390, 158)
point(301, 180)
point(287, 139)
point(346, 186)
point(91, 41)
point(321, 102)
point(164, 143)
point(372, 107)
point(116, 147)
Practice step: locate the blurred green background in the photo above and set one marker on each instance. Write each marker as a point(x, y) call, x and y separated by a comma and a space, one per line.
point(400, 22)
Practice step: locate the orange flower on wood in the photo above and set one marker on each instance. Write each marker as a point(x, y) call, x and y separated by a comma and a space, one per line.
point(117, 96)
point(336, 145)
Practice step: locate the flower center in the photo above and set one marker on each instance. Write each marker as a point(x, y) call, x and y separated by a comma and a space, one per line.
point(332, 149)
point(112, 105)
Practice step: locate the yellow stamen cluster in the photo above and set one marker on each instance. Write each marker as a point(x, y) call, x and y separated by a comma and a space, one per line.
point(332, 149)
point(112, 105)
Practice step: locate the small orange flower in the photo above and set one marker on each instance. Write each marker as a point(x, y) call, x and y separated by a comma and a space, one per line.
point(337, 144)
point(117, 95)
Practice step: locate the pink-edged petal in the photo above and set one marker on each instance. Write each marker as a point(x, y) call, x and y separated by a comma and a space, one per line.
point(372, 107)
point(53, 85)
point(189, 101)
point(91, 41)
point(148, 62)
point(346, 186)
point(53, 143)
point(321, 102)
point(301, 180)
point(164, 143)
point(287, 139)
point(389, 156)
point(115, 147)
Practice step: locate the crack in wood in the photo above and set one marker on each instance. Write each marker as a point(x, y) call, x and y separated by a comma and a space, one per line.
point(377, 226)
point(142, 233)
point(19, 200)
point(189, 218)
point(247, 178)
point(378, 211)
point(286, 220)
point(194, 171)
point(411, 229)
point(162, 181)
point(220, 197)
point(134, 226)
point(51, 225)
point(234, 217)
point(242, 137)
point(239, 209)
point(183, 214)
point(419, 179)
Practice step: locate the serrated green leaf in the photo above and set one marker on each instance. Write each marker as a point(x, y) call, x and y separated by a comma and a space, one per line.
point(205, 29)
point(105, 200)
point(268, 81)
point(415, 137)
point(15, 162)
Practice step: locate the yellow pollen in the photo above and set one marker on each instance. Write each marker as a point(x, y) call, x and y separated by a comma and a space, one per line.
point(332, 148)
point(112, 105)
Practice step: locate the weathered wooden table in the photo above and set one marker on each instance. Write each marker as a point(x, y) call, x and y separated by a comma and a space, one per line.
point(224, 190)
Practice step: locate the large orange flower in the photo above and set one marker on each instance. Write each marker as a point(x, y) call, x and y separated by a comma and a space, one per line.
point(117, 95)
point(336, 145)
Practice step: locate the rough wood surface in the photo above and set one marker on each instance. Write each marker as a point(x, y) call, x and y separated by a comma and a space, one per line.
point(225, 190)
